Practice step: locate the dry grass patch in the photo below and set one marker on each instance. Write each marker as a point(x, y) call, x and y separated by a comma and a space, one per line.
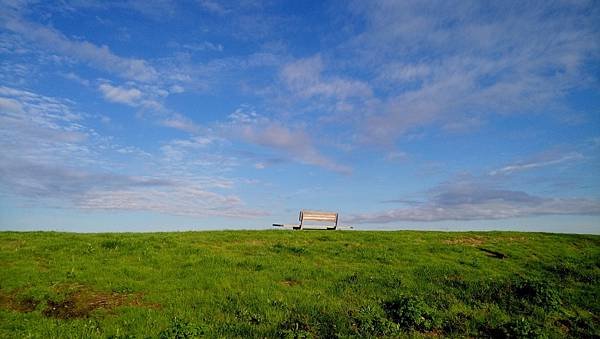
point(467, 241)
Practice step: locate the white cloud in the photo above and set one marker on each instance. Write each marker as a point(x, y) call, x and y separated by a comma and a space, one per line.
point(176, 89)
point(149, 100)
point(180, 122)
point(304, 78)
point(396, 72)
point(129, 96)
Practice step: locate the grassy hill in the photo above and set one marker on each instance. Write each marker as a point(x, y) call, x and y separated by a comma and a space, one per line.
point(299, 284)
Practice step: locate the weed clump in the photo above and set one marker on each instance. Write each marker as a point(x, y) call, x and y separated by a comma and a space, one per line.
point(409, 312)
point(568, 270)
point(537, 292)
point(456, 324)
point(110, 244)
point(581, 326)
point(181, 329)
point(519, 328)
point(295, 326)
point(515, 294)
point(371, 320)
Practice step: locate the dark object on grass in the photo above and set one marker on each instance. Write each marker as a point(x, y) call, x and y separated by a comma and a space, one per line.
point(494, 254)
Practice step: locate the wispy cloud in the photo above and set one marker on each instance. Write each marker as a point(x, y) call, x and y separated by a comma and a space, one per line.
point(514, 59)
point(203, 46)
point(96, 56)
point(175, 200)
point(541, 161)
point(304, 78)
point(212, 7)
point(149, 100)
point(296, 144)
point(181, 122)
point(51, 158)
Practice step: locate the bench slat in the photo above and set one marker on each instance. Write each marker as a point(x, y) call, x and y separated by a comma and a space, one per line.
point(319, 219)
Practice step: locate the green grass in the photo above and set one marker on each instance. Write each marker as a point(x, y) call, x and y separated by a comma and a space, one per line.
point(299, 284)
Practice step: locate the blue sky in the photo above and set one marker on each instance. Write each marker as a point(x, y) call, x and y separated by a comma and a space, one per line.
point(177, 115)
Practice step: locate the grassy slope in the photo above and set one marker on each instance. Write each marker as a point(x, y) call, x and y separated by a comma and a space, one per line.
point(303, 284)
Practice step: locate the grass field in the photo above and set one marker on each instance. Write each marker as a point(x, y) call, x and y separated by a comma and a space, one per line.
point(299, 284)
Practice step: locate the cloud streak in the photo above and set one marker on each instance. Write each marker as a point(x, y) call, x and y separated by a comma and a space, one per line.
point(535, 164)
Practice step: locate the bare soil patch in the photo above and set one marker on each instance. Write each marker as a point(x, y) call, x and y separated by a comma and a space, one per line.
point(78, 303)
point(13, 303)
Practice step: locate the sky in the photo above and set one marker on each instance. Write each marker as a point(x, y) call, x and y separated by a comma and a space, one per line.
point(196, 115)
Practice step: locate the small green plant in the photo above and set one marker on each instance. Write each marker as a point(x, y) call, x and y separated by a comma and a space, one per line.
point(295, 326)
point(519, 328)
point(371, 320)
point(181, 329)
point(409, 312)
point(110, 244)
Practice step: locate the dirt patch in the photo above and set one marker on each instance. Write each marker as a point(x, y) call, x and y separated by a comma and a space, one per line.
point(13, 303)
point(469, 241)
point(66, 309)
point(290, 282)
point(80, 303)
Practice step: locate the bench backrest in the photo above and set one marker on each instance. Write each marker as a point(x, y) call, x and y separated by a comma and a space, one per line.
point(327, 217)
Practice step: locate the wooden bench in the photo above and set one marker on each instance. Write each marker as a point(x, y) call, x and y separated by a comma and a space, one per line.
point(326, 220)
point(330, 218)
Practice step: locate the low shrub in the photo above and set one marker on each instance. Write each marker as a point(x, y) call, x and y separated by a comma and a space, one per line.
point(515, 294)
point(537, 292)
